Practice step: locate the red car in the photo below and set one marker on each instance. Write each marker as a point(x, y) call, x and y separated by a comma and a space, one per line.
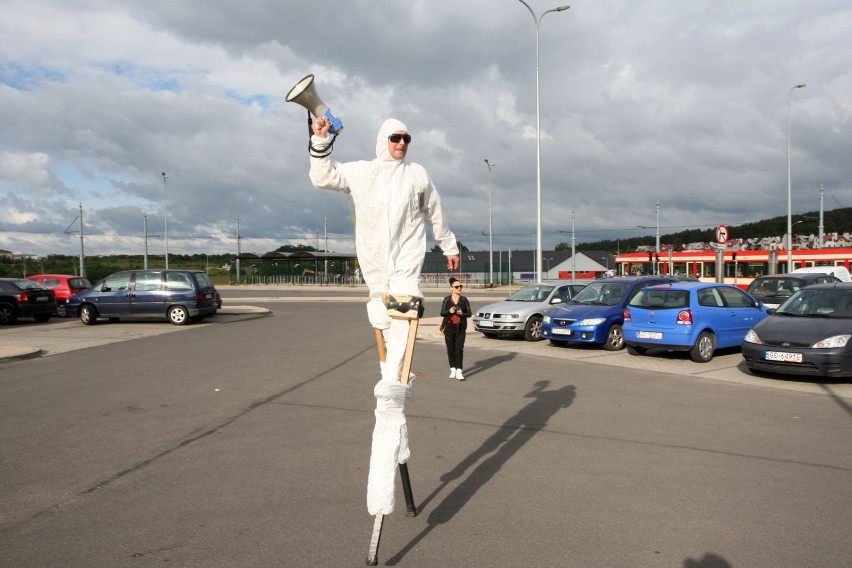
point(63, 285)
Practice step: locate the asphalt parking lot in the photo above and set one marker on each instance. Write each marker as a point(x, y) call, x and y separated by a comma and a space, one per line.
point(244, 441)
point(26, 339)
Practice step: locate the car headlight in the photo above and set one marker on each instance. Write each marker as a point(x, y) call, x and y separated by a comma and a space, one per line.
point(751, 337)
point(829, 342)
point(591, 321)
point(546, 319)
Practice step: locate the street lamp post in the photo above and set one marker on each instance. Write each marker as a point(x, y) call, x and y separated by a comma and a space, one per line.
point(658, 226)
point(537, 20)
point(490, 242)
point(573, 250)
point(166, 216)
point(790, 186)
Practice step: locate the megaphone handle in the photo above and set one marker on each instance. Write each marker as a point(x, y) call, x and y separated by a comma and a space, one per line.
point(310, 124)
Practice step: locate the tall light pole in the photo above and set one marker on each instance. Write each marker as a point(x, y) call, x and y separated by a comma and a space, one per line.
point(790, 186)
point(490, 242)
point(821, 230)
point(166, 215)
point(573, 250)
point(537, 20)
point(658, 227)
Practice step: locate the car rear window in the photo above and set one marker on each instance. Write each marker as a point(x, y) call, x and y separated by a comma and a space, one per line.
point(660, 299)
point(203, 280)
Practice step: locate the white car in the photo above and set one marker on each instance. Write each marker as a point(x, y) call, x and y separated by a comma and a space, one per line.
point(839, 272)
point(521, 313)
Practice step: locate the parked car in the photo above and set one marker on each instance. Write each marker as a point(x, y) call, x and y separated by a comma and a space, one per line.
point(596, 313)
point(688, 316)
point(808, 335)
point(521, 313)
point(63, 285)
point(840, 272)
point(180, 296)
point(774, 290)
point(20, 297)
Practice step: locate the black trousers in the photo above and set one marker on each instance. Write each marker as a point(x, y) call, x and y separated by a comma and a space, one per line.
point(454, 338)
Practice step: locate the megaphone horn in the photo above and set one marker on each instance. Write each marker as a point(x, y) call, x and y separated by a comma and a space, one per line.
point(305, 94)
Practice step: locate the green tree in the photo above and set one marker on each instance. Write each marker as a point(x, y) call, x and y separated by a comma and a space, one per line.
point(462, 248)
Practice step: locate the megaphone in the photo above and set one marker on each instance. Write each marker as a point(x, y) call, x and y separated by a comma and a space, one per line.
point(305, 94)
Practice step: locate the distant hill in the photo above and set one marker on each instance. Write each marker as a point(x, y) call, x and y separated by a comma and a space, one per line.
point(834, 221)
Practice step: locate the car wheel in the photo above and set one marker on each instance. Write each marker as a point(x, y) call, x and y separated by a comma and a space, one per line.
point(42, 317)
point(636, 350)
point(61, 311)
point(7, 314)
point(614, 339)
point(532, 331)
point(88, 315)
point(704, 347)
point(178, 315)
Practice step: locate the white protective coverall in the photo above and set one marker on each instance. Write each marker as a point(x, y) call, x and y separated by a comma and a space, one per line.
point(394, 201)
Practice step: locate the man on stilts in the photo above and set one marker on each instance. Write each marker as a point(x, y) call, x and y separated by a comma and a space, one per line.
point(394, 201)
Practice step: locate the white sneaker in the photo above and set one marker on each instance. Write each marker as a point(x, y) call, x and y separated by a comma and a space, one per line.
point(459, 375)
point(452, 372)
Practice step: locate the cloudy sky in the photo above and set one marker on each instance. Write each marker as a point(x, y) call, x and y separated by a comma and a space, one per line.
point(685, 103)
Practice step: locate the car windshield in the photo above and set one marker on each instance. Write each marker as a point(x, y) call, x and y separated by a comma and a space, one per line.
point(602, 293)
point(775, 287)
point(531, 293)
point(829, 303)
point(660, 298)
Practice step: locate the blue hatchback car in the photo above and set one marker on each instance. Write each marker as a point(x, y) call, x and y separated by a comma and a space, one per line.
point(596, 313)
point(697, 317)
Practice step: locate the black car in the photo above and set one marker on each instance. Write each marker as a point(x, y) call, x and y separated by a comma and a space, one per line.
point(25, 298)
point(809, 335)
point(774, 290)
point(179, 296)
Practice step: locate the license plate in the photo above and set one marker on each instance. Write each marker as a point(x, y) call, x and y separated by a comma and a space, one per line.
point(650, 335)
point(772, 306)
point(486, 323)
point(41, 299)
point(560, 331)
point(208, 296)
point(783, 357)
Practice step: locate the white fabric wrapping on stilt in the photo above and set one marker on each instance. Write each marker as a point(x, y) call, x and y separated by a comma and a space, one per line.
point(390, 435)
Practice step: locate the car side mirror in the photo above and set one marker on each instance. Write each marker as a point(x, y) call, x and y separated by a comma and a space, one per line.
point(106, 289)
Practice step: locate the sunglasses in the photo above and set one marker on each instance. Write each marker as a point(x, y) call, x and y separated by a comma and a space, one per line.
point(395, 138)
point(459, 286)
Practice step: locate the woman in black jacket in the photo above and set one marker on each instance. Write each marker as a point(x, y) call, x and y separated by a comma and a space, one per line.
point(455, 310)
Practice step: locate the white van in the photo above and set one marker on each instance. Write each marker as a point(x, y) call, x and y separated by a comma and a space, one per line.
point(839, 272)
